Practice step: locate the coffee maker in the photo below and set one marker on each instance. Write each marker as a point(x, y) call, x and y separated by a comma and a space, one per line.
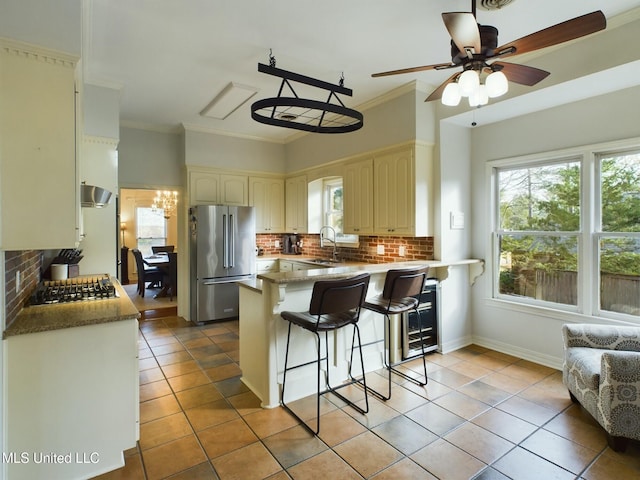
point(291, 244)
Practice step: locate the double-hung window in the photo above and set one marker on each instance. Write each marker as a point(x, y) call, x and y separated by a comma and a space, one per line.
point(151, 229)
point(566, 231)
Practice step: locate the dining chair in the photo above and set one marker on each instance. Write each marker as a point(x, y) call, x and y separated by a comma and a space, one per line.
point(400, 294)
point(145, 273)
point(334, 304)
point(162, 248)
point(170, 280)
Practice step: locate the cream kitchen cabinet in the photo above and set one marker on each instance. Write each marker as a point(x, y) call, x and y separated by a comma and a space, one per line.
point(403, 191)
point(211, 187)
point(267, 265)
point(358, 197)
point(267, 196)
point(39, 179)
point(296, 204)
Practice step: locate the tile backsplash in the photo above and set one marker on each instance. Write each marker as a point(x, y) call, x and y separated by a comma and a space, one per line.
point(415, 248)
point(29, 264)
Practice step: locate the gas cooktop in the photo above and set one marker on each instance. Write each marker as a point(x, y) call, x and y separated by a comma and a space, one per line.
point(95, 287)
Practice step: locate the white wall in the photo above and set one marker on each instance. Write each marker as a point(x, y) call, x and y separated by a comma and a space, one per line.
point(535, 333)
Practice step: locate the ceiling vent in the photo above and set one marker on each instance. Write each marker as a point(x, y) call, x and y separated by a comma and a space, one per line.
point(493, 4)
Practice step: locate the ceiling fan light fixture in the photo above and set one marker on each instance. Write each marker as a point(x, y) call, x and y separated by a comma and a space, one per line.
point(479, 97)
point(451, 95)
point(468, 82)
point(497, 84)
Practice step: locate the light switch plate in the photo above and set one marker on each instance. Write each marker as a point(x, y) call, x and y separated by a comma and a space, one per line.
point(457, 220)
point(380, 249)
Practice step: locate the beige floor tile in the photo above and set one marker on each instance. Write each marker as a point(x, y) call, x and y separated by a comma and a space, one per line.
point(526, 410)
point(491, 362)
point(484, 392)
point(163, 430)
point(147, 364)
point(307, 407)
point(168, 339)
point(430, 391)
point(404, 434)
point(524, 465)
point(378, 413)
point(404, 400)
point(172, 457)
point(358, 452)
point(151, 375)
point(270, 421)
point(548, 398)
point(450, 378)
point(435, 418)
point(523, 373)
point(505, 425)
point(188, 380)
point(439, 457)
point(223, 372)
point(132, 470)
point(478, 442)
point(176, 357)
point(158, 408)
point(210, 414)
point(462, 405)
point(198, 396)
point(153, 390)
point(294, 445)
point(504, 382)
point(203, 471)
point(336, 427)
point(578, 431)
point(560, 451)
point(167, 349)
point(405, 468)
point(606, 468)
point(200, 341)
point(471, 369)
point(225, 438)
point(246, 403)
point(182, 368)
point(325, 465)
point(248, 463)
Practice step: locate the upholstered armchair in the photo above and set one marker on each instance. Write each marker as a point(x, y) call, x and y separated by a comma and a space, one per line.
point(602, 372)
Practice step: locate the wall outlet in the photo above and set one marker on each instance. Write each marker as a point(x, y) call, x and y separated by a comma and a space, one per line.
point(401, 250)
point(380, 250)
point(276, 244)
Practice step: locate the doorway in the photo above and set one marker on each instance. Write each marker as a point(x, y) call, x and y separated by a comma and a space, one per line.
point(142, 226)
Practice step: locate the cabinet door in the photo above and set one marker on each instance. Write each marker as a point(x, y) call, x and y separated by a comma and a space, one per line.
point(204, 188)
point(284, 266)
point(394, 187)
point(358, 197)
point(234, 190)
point(296, 204)
point(39, 183)
point(267, 196)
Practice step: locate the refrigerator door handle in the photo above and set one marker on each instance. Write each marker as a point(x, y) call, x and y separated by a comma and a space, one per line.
point(225, 242)
point(232, 241)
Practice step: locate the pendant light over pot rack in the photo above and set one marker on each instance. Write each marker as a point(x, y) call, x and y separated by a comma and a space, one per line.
point(302, 113)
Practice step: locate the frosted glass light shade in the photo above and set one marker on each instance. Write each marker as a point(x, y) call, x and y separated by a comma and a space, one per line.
point(451, 95)
point(497, 84)
point(468, 82)
point(479, 97)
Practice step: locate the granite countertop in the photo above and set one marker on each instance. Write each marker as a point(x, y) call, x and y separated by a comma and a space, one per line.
point(43, 318)
point(351, 268)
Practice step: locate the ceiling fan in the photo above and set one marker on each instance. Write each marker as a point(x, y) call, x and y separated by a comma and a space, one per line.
point(474, 48)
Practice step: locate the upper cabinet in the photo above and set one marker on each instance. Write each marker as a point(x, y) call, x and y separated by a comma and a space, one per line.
point(296, 204)
point(403, 191)
point(211, 187)
point(39, 180)
point(358, 197)
point(267, 196)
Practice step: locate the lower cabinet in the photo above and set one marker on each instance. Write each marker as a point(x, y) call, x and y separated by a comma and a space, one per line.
point(72, 401)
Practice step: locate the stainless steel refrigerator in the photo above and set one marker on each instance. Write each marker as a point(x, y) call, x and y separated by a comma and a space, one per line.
point(223, 244)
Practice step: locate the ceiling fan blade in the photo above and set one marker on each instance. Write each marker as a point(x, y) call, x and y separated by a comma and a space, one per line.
point(437, 66)
point(437, 93)
point(463, 28)
point(522, 74)
point(556, 34)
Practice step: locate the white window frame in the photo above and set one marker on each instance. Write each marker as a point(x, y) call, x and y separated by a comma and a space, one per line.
point(160, 212)
point(342, 239)
point(589, 234)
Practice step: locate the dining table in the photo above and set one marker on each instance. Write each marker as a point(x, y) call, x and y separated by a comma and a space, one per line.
point(160, 260)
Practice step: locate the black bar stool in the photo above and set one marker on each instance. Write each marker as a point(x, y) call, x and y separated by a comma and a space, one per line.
point(401, 293)
point(334, 304)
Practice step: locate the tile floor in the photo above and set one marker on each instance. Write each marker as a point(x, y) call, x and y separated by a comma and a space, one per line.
point(484, 415)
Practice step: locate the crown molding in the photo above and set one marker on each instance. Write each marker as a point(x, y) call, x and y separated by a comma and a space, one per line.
point(36, 52)
point(94, 139)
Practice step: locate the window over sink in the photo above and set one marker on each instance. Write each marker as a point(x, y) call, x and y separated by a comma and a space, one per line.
point(326, 207)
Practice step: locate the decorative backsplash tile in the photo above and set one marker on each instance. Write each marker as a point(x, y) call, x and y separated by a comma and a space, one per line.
point(29, 264)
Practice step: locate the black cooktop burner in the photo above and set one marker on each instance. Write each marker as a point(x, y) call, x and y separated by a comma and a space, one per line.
point(74, 290)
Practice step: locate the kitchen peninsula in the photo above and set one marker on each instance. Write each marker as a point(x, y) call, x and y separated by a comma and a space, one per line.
point(72, 376)
point(263, 333)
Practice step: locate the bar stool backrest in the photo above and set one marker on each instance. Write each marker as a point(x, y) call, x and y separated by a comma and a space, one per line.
point(336, 296)
point(402, 283)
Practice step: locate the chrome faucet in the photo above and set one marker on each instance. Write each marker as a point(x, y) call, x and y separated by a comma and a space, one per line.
point(324, 239)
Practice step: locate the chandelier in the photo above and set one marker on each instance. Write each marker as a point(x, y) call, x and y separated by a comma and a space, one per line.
point(167, 201)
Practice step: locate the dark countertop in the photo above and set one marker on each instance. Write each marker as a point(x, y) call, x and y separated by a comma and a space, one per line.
point(43, 318)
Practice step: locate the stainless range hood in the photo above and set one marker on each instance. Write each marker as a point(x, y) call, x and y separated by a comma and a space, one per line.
point(94, 197)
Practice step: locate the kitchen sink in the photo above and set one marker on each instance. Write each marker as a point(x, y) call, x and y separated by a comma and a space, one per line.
point(324, 261)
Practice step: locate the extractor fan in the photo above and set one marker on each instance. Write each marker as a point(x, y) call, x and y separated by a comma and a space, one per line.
point(474, 48)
